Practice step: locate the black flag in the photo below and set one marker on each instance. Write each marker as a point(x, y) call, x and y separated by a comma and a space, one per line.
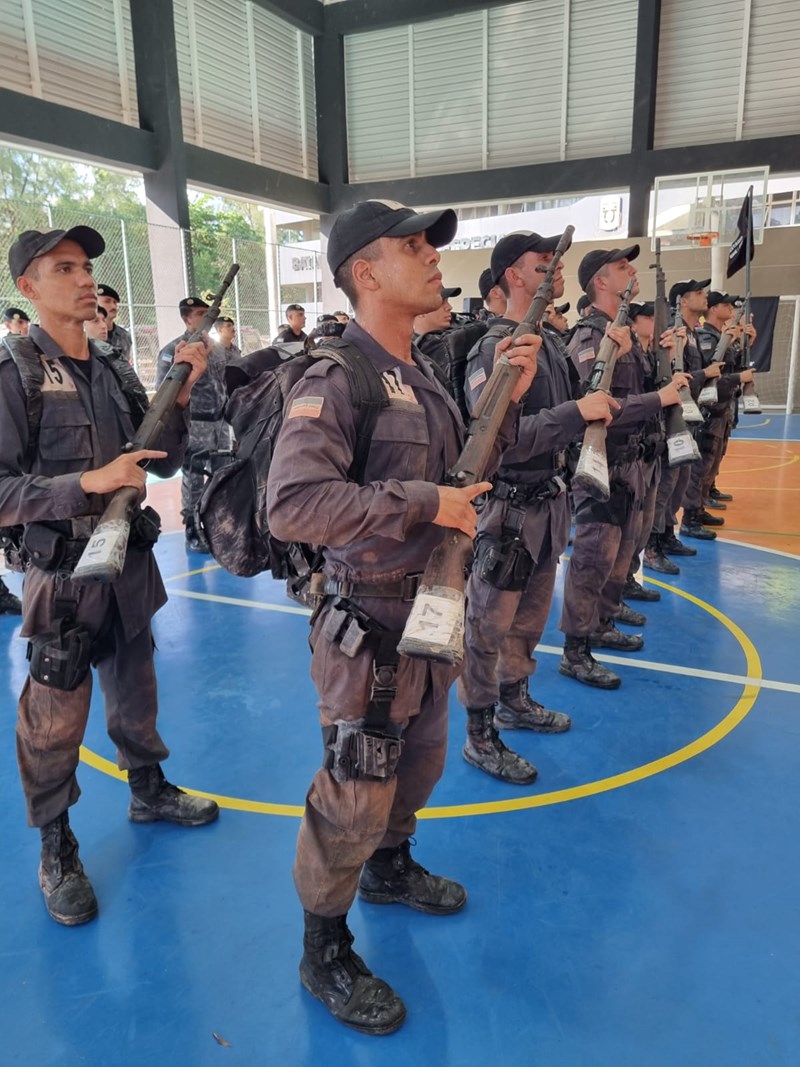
point(737, 257)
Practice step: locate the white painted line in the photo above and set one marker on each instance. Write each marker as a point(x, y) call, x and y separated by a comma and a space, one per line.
point(758, 548)
point(548, 650)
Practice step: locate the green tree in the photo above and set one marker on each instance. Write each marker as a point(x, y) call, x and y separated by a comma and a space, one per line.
point(214, 222)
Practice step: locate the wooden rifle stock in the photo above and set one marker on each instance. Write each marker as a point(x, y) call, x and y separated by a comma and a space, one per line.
point(591, 473)
point(709, 394)
point(681, 446)
point(104, 556)
point(435, 627)
point(691, 412)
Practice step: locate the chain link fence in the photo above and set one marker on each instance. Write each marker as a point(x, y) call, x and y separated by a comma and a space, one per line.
point(264, 286)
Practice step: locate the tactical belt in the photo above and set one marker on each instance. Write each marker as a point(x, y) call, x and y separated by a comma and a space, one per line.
point(527, 494)
point(619, 454)
point(406, 589)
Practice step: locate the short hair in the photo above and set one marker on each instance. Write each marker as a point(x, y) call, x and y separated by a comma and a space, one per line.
point(295, 307)
point(590, 287)
point(343, 275)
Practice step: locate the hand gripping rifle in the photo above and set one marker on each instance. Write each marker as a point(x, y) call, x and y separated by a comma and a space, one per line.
point(750, 402)
point(435, 627)
point(691, 412)
point(591, 473)
point(681, 446)
point(104, 556)
point(709, 394)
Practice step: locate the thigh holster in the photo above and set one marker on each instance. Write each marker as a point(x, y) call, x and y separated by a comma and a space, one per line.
point(504, 562)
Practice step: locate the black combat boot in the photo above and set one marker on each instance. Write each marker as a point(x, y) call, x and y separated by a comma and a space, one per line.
point(68, 893)
point(655, 560)
point(671, 546)
point(717, 494)
point(715, 504)
point(9, 604)
point(578, 662)
point(334, 974)
point(154, 798)
point(692, 526)
point(519, 711)
point(391, 876)
point(629, 617)
point(710, 520)
point(195, 540)
point(633, 590)
point(608, 636)
point(485, 750)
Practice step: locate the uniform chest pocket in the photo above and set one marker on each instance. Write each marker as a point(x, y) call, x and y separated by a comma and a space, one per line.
point(65, 432)
point(399, 446)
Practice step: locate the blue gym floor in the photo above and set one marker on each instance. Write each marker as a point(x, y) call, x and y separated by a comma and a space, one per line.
point(638, 905)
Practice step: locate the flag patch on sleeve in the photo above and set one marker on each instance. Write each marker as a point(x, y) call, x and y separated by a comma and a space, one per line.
point(476, 379)
point(585, 354)
point(309, 407)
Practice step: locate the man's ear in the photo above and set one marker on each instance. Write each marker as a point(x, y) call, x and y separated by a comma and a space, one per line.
point(363, 275)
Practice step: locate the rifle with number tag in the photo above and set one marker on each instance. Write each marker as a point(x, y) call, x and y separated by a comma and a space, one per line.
point(104, 556)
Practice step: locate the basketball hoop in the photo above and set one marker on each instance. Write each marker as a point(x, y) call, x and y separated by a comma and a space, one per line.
point(705, 239)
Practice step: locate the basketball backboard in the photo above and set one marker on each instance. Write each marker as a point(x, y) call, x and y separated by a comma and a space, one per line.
point(688, 210)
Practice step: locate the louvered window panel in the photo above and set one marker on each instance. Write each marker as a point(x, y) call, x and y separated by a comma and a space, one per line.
point(378, 104)
point(772, 89)
point(699, 72)
point(184, 34)
point(222, 76)
point(80, 56)
point(449, 94)
point(525, 94)
point(602, 61)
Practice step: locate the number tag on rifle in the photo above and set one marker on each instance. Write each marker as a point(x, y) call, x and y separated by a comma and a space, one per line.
point(435, 627)
point(709, 394)
point(750, 402)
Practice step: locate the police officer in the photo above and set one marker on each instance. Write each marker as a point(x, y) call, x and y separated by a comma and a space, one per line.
point(555, 317)
point(583, 303)
point(377, 539)
point(118, 337)
point(493, 297)
point(524, 526)
point(226, 334)
point(58, 464)
point(16, 321)
point(294, 331)
point(207, 430)
point(605, 534)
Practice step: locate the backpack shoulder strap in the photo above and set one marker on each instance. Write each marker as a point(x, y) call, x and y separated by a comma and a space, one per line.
point(128, 379)
point(27, 359)
point(367, 391)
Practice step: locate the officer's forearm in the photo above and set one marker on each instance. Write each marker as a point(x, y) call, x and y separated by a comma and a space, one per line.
point(635, 410)
point(546, 431)
point(34, 498)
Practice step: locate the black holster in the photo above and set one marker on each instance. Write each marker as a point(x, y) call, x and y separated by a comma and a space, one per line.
point(613, 512)
point(503, 562)
point(145, 529)
point(60, 659)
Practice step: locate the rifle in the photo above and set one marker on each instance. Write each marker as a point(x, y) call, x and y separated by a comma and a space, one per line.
point(681, 446)
point(709, 394)
point(691, 412)
point(435, 627)
point(104, 556)
point(750, 402)
point(591, 473)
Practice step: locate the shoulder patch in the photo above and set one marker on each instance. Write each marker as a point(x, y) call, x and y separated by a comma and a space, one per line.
point(585, 354)
point(309, 407)
point(477, 378)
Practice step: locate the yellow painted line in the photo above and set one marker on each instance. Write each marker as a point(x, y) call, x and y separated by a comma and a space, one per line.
point(190, 574)
point(732, 472)
point(237, 602)
point(603, 785)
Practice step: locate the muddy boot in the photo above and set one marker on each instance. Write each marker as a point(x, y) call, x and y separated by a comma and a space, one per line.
point(485, 750)
point(633, 590)
point(68, 893)
point(391, 876)
point(715, 504)
point(655, 560)
point(608, 636)
point(671, 546)
point(334, 974)
point(692, 526)
point(519, 711)
point(629, 617)
point(710, 520)
point(154, 798)
point(9, 604)
point(578, 662)
point(195, 540)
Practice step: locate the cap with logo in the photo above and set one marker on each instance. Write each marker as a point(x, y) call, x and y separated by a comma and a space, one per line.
point(509, 249)
point(106, 290)
point(190, 302)
point(594, 261)
point(366, 222)
point(34, 243)
point(690, 285)
point(15, 315)
point(224, 318)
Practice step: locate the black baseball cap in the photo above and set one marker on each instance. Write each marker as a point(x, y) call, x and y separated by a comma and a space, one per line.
point(224, 318)
point(509, 248)
point(691, 285)
point(715, 298)
point(583, 302)
point(33, 243)
point(592, 262)
point(15, 314)
point(190, 302)
point(366, 222)
point(485, 283)
point(448, 294)
point(647, 308)
point(562, 309)
point(106, 290)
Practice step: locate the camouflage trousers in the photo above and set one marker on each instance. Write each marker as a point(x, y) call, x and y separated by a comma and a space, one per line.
point(205, 439)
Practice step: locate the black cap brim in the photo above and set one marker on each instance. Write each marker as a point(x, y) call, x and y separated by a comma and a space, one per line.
point(439, 226)
point(90, 241)
point(448, 294)
point(562, 309)
point(629, 253)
